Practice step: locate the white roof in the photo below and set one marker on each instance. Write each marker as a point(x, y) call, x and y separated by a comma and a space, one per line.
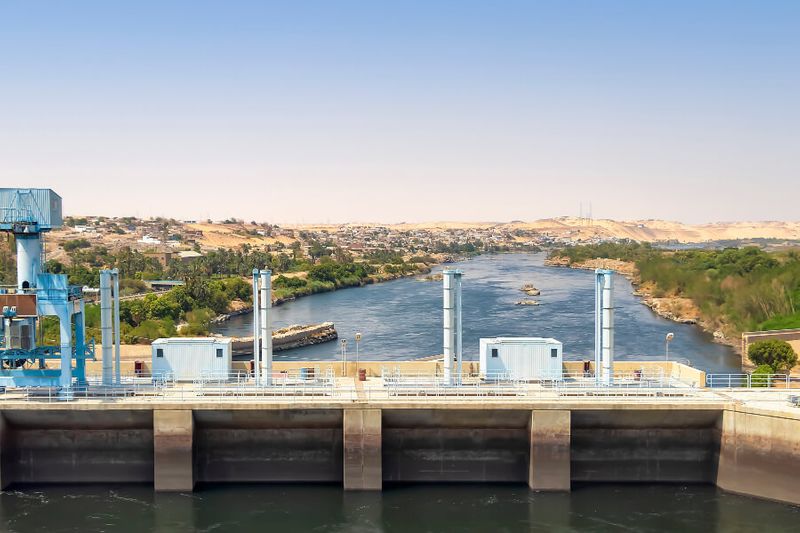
point(193, 340)
point(520, 340)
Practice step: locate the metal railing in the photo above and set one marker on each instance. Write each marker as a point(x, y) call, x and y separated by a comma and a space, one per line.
point(394, 386)
point(752, 381)
point(465, 384)
point(634, 383)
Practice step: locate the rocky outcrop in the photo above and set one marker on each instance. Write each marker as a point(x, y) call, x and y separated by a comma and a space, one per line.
point(530, 290)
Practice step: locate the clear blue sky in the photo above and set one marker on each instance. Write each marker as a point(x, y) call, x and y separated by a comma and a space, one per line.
point(302, 111)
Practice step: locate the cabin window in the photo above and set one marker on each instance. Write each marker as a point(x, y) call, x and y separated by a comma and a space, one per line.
point(553, 352)
point(219, 352)
point(159, 352)
point(494, 352)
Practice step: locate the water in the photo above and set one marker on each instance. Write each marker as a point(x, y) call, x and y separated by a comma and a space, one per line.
point(402, 319)
point(434, 508)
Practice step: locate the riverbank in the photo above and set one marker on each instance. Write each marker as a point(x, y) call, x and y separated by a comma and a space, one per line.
point(675, 308)
point(402, 319)
point(278, 299)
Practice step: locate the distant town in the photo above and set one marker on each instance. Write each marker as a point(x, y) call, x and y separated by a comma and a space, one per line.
point(169, 239)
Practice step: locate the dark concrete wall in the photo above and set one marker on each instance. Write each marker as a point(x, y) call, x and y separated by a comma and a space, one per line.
point(268, 446)
point(77, 447)
point(746, 451)
point(644, 446)
point(446, 446)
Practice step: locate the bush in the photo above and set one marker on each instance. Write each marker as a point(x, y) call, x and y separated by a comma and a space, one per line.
point(289, 283)
point(778, 355)
point(198, 323)
point(76, 244)
point(151, 330)
point(760, 376)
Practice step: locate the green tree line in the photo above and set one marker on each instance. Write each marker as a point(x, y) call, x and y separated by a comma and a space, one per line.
point(738, 288)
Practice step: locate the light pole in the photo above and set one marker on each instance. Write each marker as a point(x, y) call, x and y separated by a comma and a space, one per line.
point(358, 339)
point(344, 357)
point(667, 340)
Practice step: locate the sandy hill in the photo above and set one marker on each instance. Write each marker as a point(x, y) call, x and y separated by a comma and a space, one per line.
point(640, 230)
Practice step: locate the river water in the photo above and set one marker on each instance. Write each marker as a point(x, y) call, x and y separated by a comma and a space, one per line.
point(417, 509)
point(402, 319)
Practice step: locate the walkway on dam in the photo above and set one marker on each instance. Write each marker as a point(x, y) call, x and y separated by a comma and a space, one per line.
point(416, 391)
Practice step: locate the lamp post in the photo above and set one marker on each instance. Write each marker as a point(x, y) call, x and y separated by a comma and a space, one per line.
point(667, 340)
point(344, 357)
point(358, 339)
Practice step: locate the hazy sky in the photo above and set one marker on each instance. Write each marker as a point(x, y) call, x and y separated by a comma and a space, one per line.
point(303, 111)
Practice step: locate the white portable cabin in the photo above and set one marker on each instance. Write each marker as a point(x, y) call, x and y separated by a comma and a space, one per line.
point(523, 358)
point(190, 358)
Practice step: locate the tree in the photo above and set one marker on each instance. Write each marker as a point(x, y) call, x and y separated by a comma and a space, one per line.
point(779, 355)
point(297, 250)
point(761, 376)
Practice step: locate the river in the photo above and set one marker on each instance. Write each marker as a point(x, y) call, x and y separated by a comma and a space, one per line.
point(419, 508)
point(402, 319)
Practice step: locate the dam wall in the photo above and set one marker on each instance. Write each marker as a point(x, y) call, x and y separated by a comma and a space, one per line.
point(365, 446)
point(760, 453)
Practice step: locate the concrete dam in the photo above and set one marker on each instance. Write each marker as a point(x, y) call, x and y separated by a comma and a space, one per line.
point(549, 445)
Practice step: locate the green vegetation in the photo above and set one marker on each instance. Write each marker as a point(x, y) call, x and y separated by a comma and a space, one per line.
point(212, 283)
point(761, 376)
point(76, 244)
point(326, 276)
point(778, 356)
point(737, 289)
point(8, 263)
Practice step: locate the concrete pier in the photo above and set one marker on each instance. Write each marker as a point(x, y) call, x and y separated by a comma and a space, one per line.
point(362, 449)
point(550, 435)
point(173, 441)
point(759, 454)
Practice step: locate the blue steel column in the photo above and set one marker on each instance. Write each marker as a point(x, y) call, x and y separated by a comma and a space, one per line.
point(29, 250)
point(65, 321)
point(80, 346)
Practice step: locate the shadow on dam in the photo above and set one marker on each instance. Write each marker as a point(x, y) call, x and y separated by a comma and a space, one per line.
point(406, 446)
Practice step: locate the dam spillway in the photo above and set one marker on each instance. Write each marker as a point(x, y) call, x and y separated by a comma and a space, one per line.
point(363, 439)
